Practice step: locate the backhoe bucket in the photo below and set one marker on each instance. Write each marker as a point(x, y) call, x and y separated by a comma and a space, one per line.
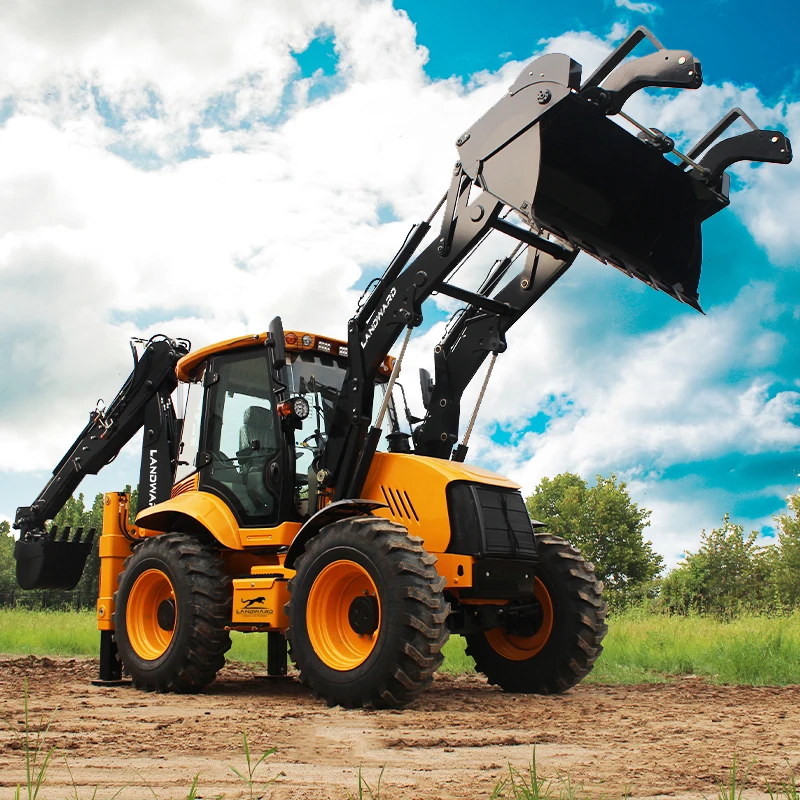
point(46, 563)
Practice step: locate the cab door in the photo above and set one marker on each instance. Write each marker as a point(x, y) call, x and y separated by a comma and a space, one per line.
point(242, 447)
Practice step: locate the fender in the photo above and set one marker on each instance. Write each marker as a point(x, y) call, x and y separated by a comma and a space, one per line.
point(206, 510)
point(333, 512)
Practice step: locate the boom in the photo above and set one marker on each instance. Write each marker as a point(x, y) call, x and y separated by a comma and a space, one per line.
point(143, 401)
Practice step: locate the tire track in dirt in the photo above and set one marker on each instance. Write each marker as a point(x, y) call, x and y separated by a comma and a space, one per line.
point(676, 739)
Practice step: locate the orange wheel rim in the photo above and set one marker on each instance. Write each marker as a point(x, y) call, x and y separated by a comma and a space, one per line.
point(521, 648)
point(332, 635)
point(147, 634)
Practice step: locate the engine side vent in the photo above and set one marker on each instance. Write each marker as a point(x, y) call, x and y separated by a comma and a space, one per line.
point(399, 503)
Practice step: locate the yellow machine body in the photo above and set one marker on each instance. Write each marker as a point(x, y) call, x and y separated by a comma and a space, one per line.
point(412, 488)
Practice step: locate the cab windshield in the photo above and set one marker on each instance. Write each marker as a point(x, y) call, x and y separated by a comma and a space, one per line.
point(319, 378)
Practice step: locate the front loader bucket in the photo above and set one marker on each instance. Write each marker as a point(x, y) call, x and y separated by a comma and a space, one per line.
point(619, 199)
point(550, 150)
point(46, 563)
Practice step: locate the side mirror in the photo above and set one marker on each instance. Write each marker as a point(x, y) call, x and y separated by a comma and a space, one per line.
point(426, 385)
point(278, 343)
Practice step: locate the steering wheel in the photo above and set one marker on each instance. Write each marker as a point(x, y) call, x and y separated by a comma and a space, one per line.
point(218, 455)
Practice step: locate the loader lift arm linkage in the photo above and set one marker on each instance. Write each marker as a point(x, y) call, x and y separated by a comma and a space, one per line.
point(143, 401)
point(577, 181)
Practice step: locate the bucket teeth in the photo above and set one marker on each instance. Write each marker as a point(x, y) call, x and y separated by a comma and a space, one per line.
point(51, 536)
point(65, 534)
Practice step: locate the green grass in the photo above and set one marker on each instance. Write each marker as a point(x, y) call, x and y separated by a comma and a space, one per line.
point(751, 650)
point(74, 633)
point(639, 648)
point(48, 633)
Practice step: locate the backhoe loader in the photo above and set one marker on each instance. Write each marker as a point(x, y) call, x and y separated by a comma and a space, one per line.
point(279, 492)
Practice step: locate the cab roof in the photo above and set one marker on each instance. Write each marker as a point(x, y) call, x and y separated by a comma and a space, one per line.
point(295, 341)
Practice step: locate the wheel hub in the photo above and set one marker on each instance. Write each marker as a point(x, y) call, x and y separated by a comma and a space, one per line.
point(363, 615)
point(151, 614)
point(516, 643)
point(529, 624)
point(165, 616)
point(343, 615)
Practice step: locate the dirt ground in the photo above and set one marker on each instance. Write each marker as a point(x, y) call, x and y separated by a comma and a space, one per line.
point(674, 739)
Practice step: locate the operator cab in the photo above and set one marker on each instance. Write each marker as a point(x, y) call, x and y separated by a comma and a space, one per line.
point(235, 443)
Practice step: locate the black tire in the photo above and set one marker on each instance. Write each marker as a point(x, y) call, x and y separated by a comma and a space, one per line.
point(578, 627)
point(198, 640)
point(410, 633)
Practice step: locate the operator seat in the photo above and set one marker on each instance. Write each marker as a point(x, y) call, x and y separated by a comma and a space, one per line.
point(256, 427)
point(256, 448)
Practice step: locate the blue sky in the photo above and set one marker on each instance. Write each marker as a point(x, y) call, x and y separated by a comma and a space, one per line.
point(160, 173)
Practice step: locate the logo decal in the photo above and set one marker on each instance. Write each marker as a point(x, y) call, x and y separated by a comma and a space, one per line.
point(379, 315)
point(254, 607)
point(153, 477)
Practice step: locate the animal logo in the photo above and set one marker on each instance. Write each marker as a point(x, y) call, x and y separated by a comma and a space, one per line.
point(254, 601)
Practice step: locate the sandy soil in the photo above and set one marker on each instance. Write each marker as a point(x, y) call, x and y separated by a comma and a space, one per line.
point(673, 739)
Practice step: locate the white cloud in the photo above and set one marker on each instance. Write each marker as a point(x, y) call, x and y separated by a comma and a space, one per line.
point(640, 8)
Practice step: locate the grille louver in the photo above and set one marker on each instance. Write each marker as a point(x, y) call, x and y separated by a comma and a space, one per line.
point(399, 503)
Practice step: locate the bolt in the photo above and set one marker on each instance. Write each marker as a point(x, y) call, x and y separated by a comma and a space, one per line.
point(443, 402)
point(524, 205)
point(544, 96)
point(440, 248)
point(476, 213)
point(682, 60)
point(525, 283)
point(443, 437)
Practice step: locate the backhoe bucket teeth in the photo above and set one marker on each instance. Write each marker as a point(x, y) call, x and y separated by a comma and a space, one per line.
point(47, 562)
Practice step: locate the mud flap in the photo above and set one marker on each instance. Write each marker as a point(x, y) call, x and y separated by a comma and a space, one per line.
point(44, 562)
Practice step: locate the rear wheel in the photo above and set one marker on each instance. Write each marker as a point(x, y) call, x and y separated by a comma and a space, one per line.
point(367, 614)
point(172, 605)
point(558, 646)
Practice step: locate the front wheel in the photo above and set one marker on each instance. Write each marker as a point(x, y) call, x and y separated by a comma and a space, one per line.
point(557, 648)
point(367, 614)
point(172, 606)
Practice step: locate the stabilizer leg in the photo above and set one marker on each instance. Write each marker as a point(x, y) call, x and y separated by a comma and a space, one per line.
point(110, 665)
point(277, 655)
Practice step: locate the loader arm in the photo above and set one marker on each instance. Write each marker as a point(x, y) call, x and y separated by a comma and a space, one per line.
point(474, 334)
point(576, 180)
point(143, 401)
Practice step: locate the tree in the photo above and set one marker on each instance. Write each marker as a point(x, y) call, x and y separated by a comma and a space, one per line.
point(607, 526)
point(729, 573)
point(8, 573)
point(787, 567)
